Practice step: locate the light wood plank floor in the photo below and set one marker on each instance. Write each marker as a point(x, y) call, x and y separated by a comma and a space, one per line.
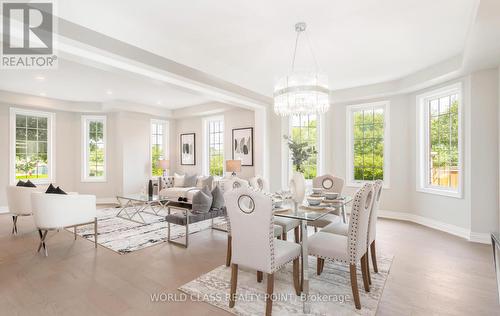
point(433, 273)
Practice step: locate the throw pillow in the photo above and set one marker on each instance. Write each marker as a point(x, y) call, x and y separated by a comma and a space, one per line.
point(205, 181)
point(201, 202)
point(60, 191)
point(30, 184)
point(178, 180)
point(51, 189)
point(190, 181)
point(20, 183)
point(218, 198)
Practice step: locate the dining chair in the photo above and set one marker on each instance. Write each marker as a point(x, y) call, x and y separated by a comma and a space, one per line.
point(328, 183)
point(342, 229)
point(254, 246)
point(352, 248)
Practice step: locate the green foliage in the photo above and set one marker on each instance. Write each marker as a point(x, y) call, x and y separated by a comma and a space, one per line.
point(156, 154)
point(216, 162)
point(444, 137)
point(368, 134)
point(301, 153)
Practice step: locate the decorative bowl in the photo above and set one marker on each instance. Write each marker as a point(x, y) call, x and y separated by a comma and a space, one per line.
point(317, 191)
point(277, 203)
point(331, 195)
point(314, 201)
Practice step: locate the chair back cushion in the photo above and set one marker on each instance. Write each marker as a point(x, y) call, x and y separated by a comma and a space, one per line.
point(19, 199)
point(252, 228)
point(358, 223)
point(60, 210)
point(329, 183)
point(372, 229)
point(258, 183)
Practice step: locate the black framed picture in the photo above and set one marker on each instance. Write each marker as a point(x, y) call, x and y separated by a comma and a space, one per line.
point(188, 149)
point(243, 145)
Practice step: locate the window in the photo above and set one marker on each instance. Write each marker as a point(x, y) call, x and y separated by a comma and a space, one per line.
point(304, 128)
point(440, 142)
point(159, 132)
point(215, 150)
point(94, 153)
point(368, 143)
point(31, 145)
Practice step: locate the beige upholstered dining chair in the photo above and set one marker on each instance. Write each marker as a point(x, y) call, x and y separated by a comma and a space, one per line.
point(352, 248)
point(328, 183)
point(342, 229)
point(254, 246)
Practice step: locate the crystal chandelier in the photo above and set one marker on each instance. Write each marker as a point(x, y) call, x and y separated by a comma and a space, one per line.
point(301, 92)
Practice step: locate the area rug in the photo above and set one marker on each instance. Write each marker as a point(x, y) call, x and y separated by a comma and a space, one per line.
point(330, 293)
point(124, 236)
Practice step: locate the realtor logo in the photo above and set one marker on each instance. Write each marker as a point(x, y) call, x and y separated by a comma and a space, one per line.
point(27, 35)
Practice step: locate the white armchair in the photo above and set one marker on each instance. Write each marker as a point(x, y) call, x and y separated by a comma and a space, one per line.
point(57, 211)
point(19, 203)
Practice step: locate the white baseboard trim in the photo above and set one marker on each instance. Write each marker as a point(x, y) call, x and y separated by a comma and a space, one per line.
point(483, 238)
point(107, 200)
point(4, 209)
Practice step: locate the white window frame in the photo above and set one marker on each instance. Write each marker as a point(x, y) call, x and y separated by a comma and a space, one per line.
point(206, 145)
point(350, 109)
point(320, 145)
point(86, 119)
point(51, 159)
point(165, 142)
point(422, 123)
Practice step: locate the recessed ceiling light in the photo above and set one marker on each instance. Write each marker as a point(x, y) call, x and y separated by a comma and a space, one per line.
point(40, 78)
point(42, 94)
point(158, 102)
point(109, 92)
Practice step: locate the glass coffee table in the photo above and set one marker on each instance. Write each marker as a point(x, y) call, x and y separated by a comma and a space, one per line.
point(132, 205)
point(308, 214)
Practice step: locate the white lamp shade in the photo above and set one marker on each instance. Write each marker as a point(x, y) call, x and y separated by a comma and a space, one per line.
point(164, 164)
point(233, 165)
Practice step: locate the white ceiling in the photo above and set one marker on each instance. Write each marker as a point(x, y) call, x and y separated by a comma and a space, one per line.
point(356, 42)
point(77, 82)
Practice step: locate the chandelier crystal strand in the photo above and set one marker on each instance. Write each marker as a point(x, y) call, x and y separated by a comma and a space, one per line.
point(301, 93)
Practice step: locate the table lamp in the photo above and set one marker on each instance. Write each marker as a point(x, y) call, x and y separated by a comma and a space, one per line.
point(233, 166)
point(164, 164)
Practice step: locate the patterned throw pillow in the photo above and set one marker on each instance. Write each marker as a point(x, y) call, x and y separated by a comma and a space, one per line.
point(218, 198)
point(205, 181)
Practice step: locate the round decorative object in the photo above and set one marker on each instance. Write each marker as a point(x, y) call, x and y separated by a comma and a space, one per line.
point(246, 204)
point(236, 185)
point(327, 183)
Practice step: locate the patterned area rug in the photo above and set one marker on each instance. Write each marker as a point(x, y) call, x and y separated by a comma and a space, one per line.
point(330, 293)
point(124, 236)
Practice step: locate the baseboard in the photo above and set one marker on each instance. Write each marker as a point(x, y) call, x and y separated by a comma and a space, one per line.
point(4, 209)
point(483, 238)
point(107, 200)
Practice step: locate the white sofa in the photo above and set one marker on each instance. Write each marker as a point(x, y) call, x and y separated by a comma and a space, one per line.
point(172, 191)
point(19, 202)
point(57, 211)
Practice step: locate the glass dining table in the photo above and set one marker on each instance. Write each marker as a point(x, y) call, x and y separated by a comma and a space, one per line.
point(305, 214)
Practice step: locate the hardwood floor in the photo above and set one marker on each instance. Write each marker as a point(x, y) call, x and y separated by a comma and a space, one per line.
point(433, 273)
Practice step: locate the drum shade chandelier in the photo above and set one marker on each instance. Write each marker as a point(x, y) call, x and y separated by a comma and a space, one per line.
point(301, 92)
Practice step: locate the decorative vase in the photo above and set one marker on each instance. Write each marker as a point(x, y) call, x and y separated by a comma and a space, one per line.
point(150, 188)
point(298, 187)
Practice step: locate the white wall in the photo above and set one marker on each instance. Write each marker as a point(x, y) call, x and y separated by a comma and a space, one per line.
point(233, 118)
point(477, 213)
point(128, 153)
